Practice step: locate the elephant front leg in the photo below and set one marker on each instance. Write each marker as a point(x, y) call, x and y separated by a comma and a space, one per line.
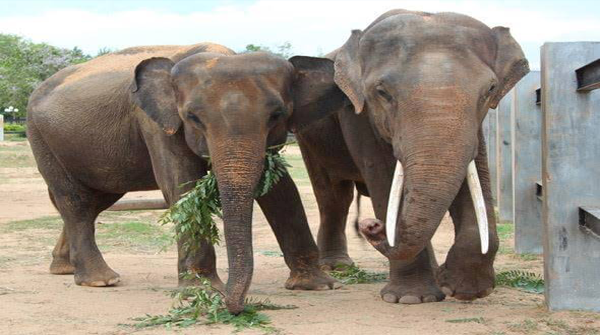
point(468, 274)
point(283, 209)
point(412, 282)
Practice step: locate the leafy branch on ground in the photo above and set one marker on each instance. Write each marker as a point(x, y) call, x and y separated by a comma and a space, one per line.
point(193, 215)
point(352, 274)
point(205, 305)
point(523, 280)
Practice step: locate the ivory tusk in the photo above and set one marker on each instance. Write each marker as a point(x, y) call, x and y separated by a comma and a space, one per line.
point(394, 204)
point(479, 205)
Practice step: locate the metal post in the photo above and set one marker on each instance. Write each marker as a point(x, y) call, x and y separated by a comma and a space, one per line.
point(570, 177)
point(527, 165)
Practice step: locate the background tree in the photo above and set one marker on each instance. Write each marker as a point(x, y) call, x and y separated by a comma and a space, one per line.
point(284, 50)
point(24, 65)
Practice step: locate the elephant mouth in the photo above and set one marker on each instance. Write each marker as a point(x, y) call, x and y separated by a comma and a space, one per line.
point(395, 199)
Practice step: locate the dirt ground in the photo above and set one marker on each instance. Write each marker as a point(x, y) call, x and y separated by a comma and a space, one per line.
point(32, 301)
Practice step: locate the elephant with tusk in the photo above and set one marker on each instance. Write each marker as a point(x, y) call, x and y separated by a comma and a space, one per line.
point(418, 86)
point(143, 118)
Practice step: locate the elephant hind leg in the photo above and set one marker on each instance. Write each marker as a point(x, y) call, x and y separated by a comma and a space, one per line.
point(79, 210)
point(76, 251)
point(61, 263)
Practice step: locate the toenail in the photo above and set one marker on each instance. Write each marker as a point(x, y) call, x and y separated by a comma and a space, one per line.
point(447, 291)
point(430, 298)
point(391, 298)
point(410, 300)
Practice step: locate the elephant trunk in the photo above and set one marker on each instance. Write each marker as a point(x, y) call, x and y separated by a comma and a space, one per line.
point(433, 161)
point(238, 166)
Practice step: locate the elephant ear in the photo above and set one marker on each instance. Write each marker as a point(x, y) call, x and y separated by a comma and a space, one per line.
point(510, 64)
point(153, 91)
point(314, 92)
point(348, 72)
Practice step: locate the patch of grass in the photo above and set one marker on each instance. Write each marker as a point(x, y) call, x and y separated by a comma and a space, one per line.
point(354, 275)
point(205, 305)
point(46, 222)
point(132, 234)
point(466, 320)
point(16, 160)
point(525, 327)
point(15, 138)
point(528, 257)
point(271, 253)
point(297, 169)
point(525, 281)
point(505, 231)
point(561, 327)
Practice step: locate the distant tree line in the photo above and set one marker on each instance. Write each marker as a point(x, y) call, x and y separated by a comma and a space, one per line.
point(24, 65)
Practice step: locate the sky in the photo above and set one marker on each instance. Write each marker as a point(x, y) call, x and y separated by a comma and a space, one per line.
point(312, 27)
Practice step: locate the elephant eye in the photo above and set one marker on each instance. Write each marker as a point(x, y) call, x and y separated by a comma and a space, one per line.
point(492, 88)
point(384, 94)
point(195, 119)
point(276, 116)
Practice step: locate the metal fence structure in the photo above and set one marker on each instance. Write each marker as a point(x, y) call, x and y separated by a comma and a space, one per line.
point(555, 170)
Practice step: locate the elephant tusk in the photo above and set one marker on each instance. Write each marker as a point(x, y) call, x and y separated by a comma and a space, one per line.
point(479, 205)
point(394, 203)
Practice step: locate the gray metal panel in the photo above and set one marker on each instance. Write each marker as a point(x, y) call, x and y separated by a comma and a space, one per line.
point(527, 165)
point(491, 146)
point(570, 176)
point(504, 157)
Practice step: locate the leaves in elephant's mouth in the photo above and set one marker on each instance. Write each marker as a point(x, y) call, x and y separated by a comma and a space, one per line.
point(193, 215)
point(204, 304)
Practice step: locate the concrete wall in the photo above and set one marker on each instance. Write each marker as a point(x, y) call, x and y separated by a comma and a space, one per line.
point(570, 176)
point(504, 157)
point(492, 153)
point(527, 165)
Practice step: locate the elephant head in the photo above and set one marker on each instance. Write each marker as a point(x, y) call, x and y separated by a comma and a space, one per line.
point(427, 82)
point(233, 107)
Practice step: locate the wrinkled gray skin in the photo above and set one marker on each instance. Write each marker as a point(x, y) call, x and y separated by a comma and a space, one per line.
point(419, 87)
point(142, 118)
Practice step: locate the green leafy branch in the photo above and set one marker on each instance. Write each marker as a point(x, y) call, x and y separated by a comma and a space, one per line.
point(352, 274)
point(193, 215)
point(526, 281)
point(205, 305)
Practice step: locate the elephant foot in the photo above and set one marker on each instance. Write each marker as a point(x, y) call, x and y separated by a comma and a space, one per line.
point(411, 292)
point(335, 262)
point(466, 280)
point(311, 280)
point(215, 282)
point(104, 276)
point(61, 266)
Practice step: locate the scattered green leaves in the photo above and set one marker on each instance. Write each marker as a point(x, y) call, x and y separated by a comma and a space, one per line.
point(205, 305)
point(354, 275)
point(466, 320)
point(525, 281)
point(193, 215)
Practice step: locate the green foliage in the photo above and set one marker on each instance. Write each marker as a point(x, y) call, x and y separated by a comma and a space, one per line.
point(284, 50)
point(354, 275)
point(505, 231)
point(193, 215)
point(526, 281)
point(205, 305)
point(14, 127)
point(466, 320)
point(104, 51)
point(24, 65)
